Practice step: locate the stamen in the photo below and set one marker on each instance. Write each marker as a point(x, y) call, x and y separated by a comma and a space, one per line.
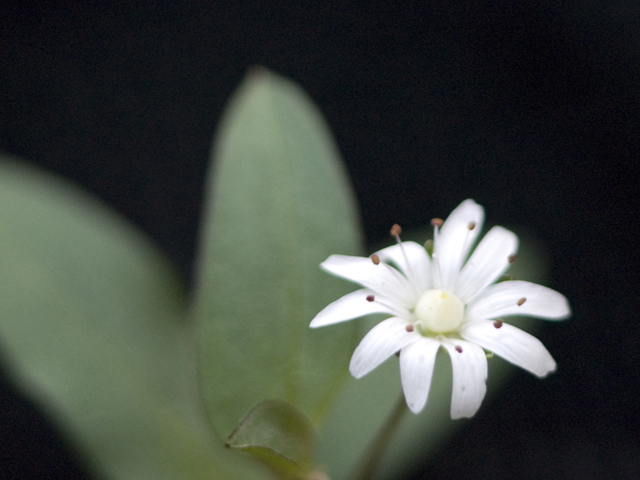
point(372, 298)
point(375, 259)
point(498, 323)
point(521, 301)
point(458, 349)
point(409, 328)
point(396, 231)
point(513, 258)
point(437, 271)
point(467, 238)
point(465, 246)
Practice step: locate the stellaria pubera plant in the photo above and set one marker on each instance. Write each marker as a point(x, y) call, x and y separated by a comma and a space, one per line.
point(147, 380)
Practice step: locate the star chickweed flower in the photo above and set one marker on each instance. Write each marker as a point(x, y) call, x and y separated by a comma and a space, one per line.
point(439, 300)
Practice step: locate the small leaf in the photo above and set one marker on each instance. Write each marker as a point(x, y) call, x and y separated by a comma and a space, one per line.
point(279, 434)
point(279, 205)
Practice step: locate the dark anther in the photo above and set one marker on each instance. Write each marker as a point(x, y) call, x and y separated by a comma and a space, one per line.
point(521, 301)
point(409, 328)
point(436, 222)
point(471, 225)
point(498, 323)
point(375, 259)
point(458, 349)
point(513, 258)
point(370, 298)
point(396, 230)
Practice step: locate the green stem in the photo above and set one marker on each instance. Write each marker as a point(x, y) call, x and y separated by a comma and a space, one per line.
point(371, 459)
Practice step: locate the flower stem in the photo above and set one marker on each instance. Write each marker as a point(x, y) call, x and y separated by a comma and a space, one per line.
point(370, 460)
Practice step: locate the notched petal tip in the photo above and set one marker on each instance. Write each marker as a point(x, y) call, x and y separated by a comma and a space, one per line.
point(547, 369)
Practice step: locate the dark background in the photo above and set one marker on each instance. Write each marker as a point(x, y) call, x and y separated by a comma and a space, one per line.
point(532, 110)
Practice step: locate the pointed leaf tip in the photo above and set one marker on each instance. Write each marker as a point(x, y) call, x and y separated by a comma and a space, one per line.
point(279, 434)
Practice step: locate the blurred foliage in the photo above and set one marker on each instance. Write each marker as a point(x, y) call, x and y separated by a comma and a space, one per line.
point(96, 328)
point(92, 328)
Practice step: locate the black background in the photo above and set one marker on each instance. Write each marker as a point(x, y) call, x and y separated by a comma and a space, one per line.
point(532, 110)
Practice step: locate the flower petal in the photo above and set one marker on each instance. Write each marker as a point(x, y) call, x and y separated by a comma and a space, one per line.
point(381, 278)
point(418, 270)
point(354, 305)
point(455, 239)
point(488, 261)
point(382, 341)
point(512, 344)
point(502, 299)
point(469, 377)
point(416, 369)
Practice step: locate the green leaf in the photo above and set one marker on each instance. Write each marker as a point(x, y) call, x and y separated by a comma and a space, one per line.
point(92, 327)
point(279, 204)
point(279, 434)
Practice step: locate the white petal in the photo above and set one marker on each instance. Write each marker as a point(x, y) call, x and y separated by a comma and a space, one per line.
point(354, 305)
point(382, 341)
point(418, 270)
point(416, 369)
point(502, 299)
point(512, 344)
point(382, 278)
point(488, 261)
point(469, 377)
point(455, 239)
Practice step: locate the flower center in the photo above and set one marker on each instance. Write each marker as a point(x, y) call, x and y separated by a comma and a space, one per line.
point(439, 311)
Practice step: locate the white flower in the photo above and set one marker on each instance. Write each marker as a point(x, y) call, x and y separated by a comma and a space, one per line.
point(443, 301)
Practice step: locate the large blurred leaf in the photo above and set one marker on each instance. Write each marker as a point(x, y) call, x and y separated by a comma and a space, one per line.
point(92, 328)
point(364, 404)
point(279, 204)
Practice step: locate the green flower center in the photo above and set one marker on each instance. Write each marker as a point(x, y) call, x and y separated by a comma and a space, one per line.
point(439, 311)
